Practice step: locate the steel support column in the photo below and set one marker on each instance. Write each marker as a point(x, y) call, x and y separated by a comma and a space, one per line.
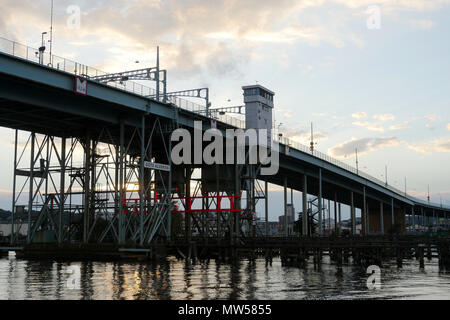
point(319, 200)
point(13, 209)
point(329, 217)
point(87, 191)
point(335, 215)
point(305, 205)
point(31, 182)
point(121, 181)
point(266, 206)
point(237, 191)
point(62, 191)
point(142, 183)
point(340, 219)
point(286, 233)
point(392, 213)
point(364, 212)
point(169, 215)
point(353, 213)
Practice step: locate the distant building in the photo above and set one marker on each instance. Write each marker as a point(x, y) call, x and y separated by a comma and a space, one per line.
point(274, 227)
point(290, 220)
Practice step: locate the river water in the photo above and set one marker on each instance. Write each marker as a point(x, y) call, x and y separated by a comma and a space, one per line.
point(175, 279)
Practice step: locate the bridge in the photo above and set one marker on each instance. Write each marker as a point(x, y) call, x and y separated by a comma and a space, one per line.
point(85, 168)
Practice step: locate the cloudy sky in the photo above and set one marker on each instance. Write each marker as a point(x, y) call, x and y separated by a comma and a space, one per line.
point(372, 75)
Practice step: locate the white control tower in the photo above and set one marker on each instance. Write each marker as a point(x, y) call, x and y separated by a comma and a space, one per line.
point(258, 108)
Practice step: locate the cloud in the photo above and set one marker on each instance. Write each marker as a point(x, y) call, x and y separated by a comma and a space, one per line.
point(359, 115)
point(448, 127)
point(303, 135)
point(429, 126)
point(363, 145)
point(404, 125)
point(422, 24)
point(437, 145)
point(196, 37)
point(390, 6)
point(324, 114)
point(368, 125)
point(384, 117)
point(431, 117)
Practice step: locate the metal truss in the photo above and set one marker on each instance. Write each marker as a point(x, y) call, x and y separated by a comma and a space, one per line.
point(76, 189)
point(152, 74)
point(200, 93)
point(221, 111)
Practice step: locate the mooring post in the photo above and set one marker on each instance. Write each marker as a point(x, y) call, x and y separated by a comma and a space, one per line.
point(421, 258)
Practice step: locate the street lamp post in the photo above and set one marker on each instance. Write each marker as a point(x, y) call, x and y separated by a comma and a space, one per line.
point(42, 49)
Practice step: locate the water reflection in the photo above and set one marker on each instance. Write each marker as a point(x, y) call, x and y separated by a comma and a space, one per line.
point(210, 279)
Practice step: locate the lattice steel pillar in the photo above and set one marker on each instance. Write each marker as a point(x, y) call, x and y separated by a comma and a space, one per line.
point(13, 209)
point(87, 186)
point(121, 182)
point(62, 189)
point(31, 183)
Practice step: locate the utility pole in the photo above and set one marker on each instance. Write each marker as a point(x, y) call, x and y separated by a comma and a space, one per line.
point(386, 175)
point(312, 139)
point(357, 168)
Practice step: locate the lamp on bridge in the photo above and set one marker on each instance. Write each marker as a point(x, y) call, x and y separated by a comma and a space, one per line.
point(42, 49)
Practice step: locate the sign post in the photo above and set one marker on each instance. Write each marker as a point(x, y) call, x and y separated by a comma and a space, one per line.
point(156, 166)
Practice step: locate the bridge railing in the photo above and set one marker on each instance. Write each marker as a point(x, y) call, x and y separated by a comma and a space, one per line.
point(32, 54)
point(300, 147)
